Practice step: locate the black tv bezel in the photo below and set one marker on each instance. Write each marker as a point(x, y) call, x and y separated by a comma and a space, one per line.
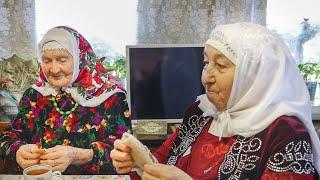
point(128, 47)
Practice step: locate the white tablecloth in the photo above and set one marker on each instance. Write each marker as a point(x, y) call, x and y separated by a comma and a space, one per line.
point(73, 177)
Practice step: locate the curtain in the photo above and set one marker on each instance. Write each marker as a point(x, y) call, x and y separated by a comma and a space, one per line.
point(191, 21)
point(17, 29)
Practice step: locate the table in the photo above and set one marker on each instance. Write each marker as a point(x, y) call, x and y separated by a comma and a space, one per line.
point(74, 177)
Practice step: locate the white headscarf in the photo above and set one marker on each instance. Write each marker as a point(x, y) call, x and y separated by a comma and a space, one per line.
point(59, 38)
point(267, 84)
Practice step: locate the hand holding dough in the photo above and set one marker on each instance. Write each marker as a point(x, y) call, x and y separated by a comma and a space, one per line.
point(140, 154)
point(40, 151)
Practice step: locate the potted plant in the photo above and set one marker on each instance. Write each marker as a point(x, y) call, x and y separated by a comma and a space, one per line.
point(117, 66)
point(310, 72)
point(7, 100)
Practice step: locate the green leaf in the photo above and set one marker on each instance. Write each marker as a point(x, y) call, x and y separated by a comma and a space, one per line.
point(118, 66)
point(309, 70)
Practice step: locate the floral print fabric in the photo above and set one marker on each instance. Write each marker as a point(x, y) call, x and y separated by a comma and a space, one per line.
point(49, 121)
point(94, 84)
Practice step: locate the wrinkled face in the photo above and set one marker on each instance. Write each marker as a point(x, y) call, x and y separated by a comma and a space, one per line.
point(57, 65)
point(217, 77)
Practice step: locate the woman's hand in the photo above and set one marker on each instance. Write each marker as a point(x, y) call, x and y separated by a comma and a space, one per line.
point(59, 157)
point(26, 155)
point(121, 157)
point(162, 171)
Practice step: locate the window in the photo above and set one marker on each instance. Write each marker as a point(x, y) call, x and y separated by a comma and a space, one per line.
point(287, 18)
point(109, 25)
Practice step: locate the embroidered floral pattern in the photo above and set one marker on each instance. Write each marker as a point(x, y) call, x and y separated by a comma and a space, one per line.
point(220, 38)
point(297, 158)
point(210, 151)
point(188, 133)
point(241, 156)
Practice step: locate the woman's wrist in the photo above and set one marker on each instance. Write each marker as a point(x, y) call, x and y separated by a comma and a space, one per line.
point(82, 156)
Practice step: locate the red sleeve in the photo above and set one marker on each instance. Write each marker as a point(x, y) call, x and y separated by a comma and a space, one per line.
point(163, 151)
point(290, 151)
point(270, 175)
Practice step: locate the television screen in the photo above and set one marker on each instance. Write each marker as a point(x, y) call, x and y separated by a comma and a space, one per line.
point(163, 80)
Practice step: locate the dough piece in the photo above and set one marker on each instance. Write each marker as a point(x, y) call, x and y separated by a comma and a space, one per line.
point(140, 154)
point(40, 151)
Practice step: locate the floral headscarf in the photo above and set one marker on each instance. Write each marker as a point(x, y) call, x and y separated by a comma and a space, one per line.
point(91, 83)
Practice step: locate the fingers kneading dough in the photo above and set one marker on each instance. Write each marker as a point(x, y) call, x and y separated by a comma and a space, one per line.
point(40, 151)
point(139, 153)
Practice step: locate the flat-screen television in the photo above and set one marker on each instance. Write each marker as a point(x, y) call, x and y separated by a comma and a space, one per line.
point(163, 80)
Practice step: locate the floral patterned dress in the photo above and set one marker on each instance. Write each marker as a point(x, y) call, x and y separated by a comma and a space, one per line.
point(49, 121)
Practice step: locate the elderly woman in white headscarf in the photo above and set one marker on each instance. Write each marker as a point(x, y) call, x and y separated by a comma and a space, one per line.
point(71, 117)
point(254, 122)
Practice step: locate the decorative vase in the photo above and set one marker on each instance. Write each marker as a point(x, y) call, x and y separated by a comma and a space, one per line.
point(312, 86)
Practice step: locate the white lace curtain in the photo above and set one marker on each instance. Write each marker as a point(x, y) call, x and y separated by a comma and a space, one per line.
point(191, 21)
point(17, 29)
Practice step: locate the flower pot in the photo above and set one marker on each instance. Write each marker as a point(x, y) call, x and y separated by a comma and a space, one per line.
point(312, 86)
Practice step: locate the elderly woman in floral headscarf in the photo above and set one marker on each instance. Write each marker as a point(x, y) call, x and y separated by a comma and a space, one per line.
point(75, 112)
point(254, 122)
